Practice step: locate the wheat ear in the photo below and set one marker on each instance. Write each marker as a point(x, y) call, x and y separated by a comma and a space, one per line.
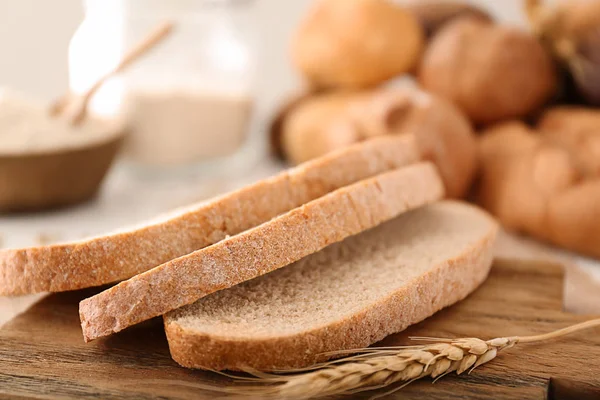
point(375, 368)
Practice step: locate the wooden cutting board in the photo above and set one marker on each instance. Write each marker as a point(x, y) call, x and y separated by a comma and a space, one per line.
point(42, 354)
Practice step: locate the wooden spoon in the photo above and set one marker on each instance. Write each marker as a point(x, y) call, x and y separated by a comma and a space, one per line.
point(74, 107)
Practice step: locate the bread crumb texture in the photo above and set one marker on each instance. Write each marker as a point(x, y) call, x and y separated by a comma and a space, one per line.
point(352, 293)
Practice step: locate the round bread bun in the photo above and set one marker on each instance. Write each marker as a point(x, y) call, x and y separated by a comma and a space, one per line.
point(357, 43)
point(491, 72)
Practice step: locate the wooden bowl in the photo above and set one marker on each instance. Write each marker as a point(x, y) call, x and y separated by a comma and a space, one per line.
point(57, 178)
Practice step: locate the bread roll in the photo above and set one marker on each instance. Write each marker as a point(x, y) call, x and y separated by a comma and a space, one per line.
point(545, 183)
point(315, 127)
point(356, 43)
point(491, 72)
point(578, 130)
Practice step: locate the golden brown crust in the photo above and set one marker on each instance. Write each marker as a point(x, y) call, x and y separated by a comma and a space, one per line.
point(316, 126)
point(474, 64)
point(359, 43)
point(279, 242)
point(578, 130)
point(116, 257)
point(574, 218)
point(546, 183)
point(442, 286)
point(506, 164)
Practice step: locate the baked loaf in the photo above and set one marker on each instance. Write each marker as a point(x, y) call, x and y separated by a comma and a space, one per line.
point(272, 245)
point(349, 295)
point(546, 183)
point(489, 71)
point(358, 43)
point(120, 256)
point(443, 133)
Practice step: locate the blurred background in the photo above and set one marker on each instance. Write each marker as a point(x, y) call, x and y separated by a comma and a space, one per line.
point(50, 48)
point(36, 34)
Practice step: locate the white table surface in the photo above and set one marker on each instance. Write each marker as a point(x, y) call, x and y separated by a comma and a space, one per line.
point(129, 197)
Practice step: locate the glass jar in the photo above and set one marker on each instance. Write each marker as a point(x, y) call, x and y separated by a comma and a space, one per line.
point(189, 98)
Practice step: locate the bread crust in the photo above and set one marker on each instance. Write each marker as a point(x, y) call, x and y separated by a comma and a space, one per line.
point(316, 126)
point(120, 256)
point(327, 121)
point(272, 245)
point(469, 62)
point(442, 286)
point(443, 133)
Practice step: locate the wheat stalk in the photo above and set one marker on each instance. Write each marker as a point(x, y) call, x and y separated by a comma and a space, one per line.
point(375, 368)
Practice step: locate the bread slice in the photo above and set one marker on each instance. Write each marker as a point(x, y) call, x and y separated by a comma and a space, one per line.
point(120, 256)
point(349, 295)
point(274, 244)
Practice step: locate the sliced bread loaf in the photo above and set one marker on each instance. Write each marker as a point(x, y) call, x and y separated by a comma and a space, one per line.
point(274, 244)
point(349, 295)
point(120, 256)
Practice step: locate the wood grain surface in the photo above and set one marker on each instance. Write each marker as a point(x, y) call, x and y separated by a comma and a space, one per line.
point(42, 353)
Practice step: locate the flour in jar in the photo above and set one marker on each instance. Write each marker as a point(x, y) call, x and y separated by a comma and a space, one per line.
point(27, 127)
point(181, 127)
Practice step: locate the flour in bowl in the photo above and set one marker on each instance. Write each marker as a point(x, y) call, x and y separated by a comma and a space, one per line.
point(26, 126)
